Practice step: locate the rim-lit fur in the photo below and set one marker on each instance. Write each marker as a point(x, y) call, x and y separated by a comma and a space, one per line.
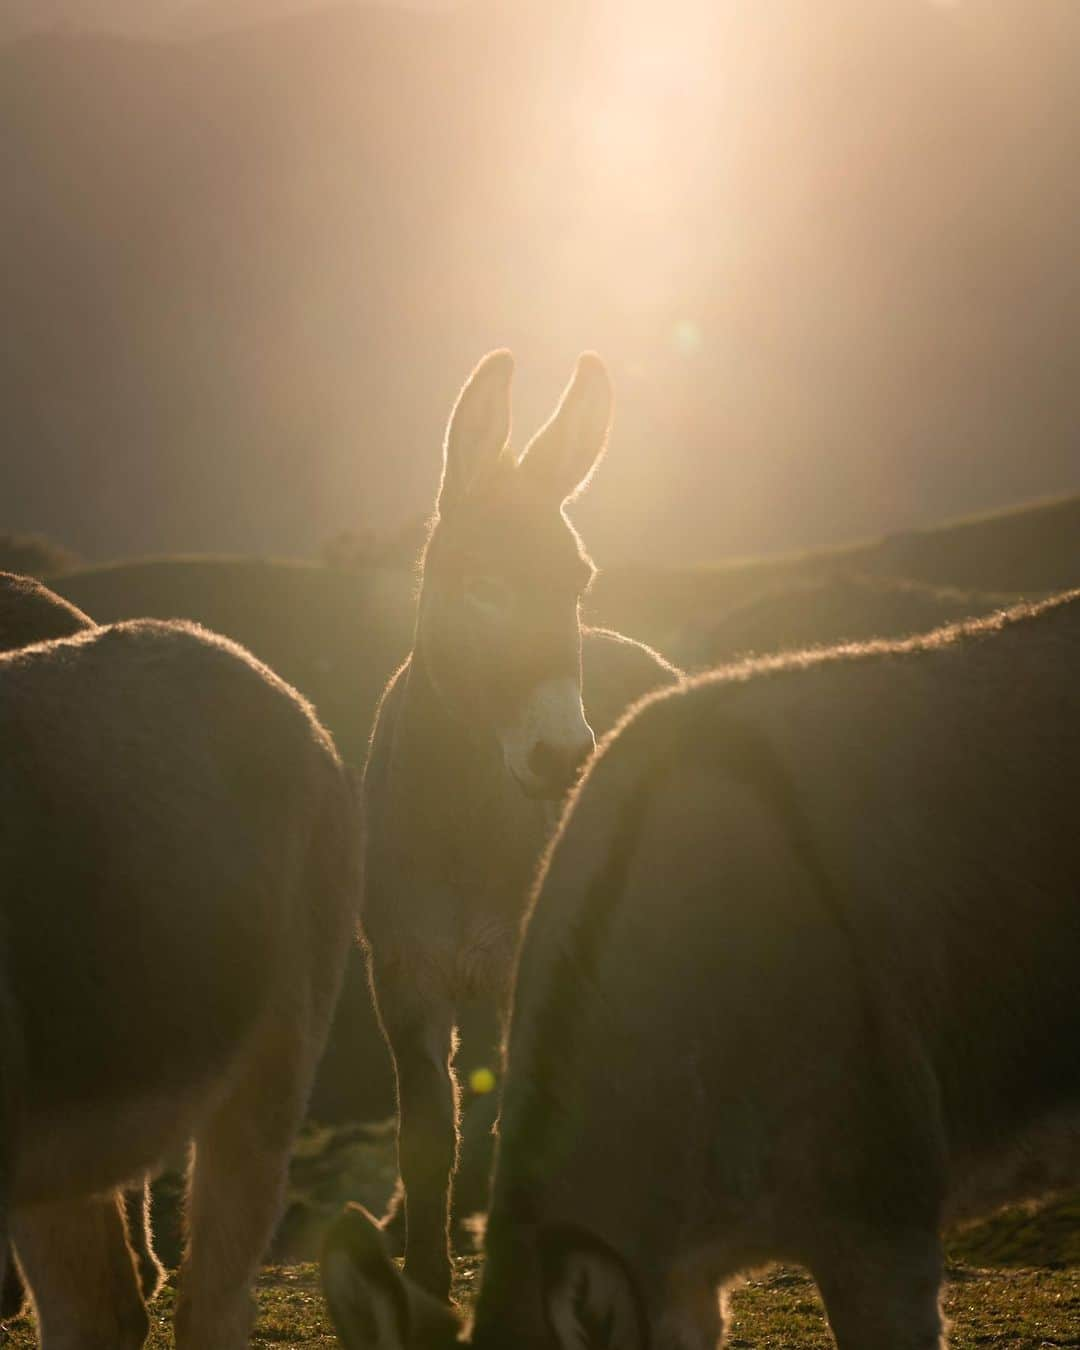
point(799, 982)
point(178, 883)
point(476, 738)
point(30, 612)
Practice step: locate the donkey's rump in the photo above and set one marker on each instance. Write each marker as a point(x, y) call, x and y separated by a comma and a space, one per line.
point(158, 804)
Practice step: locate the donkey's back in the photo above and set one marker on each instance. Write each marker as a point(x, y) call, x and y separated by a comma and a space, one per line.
point(938, 781)
point(161, 803)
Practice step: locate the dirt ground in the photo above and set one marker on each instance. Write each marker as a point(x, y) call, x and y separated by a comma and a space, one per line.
point(1006, 1308)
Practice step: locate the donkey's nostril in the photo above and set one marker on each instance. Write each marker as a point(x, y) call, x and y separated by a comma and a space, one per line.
point(558, 766)
point(545, 761)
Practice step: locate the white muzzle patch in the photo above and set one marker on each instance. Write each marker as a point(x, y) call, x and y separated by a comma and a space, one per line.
point(545, 749)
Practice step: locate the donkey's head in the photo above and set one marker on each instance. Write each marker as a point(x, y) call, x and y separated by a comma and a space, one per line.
point(580, 1296)
point(498, 632)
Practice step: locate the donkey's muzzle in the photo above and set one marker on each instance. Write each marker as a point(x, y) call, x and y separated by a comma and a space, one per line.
point(556, 768)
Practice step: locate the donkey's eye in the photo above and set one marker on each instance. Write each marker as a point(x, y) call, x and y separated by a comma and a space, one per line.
point(490, 595)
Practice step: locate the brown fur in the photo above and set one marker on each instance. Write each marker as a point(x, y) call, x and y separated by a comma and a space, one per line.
point(799, 983)
point(29, 613)
point(453, 839)
point(178, 883)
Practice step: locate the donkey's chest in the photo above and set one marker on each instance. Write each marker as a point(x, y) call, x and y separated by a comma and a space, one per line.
point(491, 896)
point(489, 891)
point(484, 958)
point(491, 853)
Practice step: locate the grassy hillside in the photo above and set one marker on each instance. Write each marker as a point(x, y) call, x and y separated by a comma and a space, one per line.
point(336, 635)
point(823, 611)
point(1031, 548)
point(887, 587)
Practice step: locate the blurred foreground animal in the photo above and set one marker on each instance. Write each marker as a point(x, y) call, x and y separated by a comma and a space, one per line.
point(178, 885)
point(30, 612)
point(800, 983)
point(333, 636)
point(477, 738)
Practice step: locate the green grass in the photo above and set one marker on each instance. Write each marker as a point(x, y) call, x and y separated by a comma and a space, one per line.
point(1024, 1235)
point(1018, 1309)
point(1010, 1309)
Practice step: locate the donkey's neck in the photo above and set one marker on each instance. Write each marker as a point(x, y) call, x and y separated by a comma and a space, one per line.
point(429, 724)
point(451, 782)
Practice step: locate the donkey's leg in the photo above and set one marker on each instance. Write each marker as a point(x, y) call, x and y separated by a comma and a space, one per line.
point(137, 1211)
point(480, 1032)
point(81, 1275)
point(240, 1163)
point(472, 1169)
point(420, 1032)
point(884, 1293)
point(12, 1293)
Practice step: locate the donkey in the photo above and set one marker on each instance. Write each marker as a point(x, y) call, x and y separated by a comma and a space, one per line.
point(799, 983)
point(477, 737)
point(178, 887)
point(30, 612)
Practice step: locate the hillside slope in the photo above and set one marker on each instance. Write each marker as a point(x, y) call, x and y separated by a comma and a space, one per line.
point(886, 587)
point(337, 635)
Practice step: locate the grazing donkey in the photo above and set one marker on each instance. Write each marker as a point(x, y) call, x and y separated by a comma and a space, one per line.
point(476, 738)
point(178, 884)
point(800, 983)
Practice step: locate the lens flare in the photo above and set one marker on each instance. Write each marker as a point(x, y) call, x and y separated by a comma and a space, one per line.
point(482, 1081)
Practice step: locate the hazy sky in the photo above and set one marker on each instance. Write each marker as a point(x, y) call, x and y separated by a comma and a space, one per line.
point(163, 16)
point(828, 248)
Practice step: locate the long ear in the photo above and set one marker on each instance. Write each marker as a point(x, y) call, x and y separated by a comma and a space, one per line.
point(561, 456)
point(590, 1297)
point(371, 1304)
point(479, 428)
